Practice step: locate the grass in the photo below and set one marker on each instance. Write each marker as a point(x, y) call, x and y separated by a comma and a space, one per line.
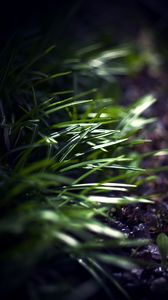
point(65, 162)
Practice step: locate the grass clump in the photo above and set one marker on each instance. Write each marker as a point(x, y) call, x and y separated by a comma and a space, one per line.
point(65, 161)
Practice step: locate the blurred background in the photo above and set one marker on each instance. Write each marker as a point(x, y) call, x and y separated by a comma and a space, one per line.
point(141, 26)
point(97, 25)
point(119, 19)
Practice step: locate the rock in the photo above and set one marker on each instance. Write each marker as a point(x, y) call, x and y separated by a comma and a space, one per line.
point(159, 285)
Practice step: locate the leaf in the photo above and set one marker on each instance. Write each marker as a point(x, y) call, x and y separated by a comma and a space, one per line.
point(39, 165)
point(162, 242)
point(105, 230)
point(86, 163)
point(161, 152)
point(67, 105)
point(66, 238)
point(116, 260)
point(117, 200)
point(104, 145)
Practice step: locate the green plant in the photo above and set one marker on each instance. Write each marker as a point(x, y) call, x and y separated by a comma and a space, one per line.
point(65, 162)
point(162, 242)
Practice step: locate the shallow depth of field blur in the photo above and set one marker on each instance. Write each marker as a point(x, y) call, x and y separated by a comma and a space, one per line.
point(83, 150)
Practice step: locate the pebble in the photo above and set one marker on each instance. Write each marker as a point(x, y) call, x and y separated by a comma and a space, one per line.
point(159, 285)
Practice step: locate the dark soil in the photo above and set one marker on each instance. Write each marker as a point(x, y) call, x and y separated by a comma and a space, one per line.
point(150, 281)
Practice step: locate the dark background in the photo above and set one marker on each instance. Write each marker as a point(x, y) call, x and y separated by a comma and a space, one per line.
point(125, 17)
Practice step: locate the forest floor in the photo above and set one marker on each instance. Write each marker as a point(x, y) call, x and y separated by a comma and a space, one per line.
point(139, 221)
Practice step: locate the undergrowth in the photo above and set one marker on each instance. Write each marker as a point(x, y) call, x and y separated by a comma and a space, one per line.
point(66, 160)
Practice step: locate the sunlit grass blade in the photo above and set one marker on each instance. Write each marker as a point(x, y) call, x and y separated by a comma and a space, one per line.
point(117, 200)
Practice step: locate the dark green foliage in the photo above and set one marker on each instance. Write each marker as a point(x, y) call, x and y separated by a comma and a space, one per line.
point(162, 242)
point(65, 161)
